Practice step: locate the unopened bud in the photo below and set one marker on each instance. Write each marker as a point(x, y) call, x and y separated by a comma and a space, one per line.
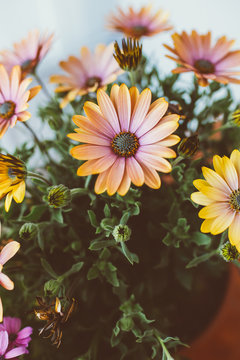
point(28, 231)
point(55, 123)
point(59, 196)
point(121, 233)
point(236, 117)
point(229, 252)
point(130, 55)
point(188, 146)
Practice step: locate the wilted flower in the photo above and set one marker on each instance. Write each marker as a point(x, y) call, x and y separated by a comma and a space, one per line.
point(5, 353)
point(188, 146)
point(27, 53)
point(7, 253)
point(12, 179)
point(220, 194)
point(14, 98)
point(17, 337)
point(87, 73)
point(229, 252)
point(195, 53)
point(59, 196)
point(126, 138)
point(130, 55)
point(28, 231)
point(55, 317)
point(121, 233)
point(139, 23)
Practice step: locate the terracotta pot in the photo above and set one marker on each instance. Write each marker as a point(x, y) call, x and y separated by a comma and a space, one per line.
point(221, 339)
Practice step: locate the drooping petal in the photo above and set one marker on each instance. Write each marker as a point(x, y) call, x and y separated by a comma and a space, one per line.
point(6, 282)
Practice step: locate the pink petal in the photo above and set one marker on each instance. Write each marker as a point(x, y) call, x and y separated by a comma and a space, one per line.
point(158, 133)
point(5, 84)
point(101, 182)
point(89, 152)
point(24, 333)
point(125, 184)
point(12, 325)
point(6, 282)
point(124, 107)
point(108, 109)
point(9, 251)
point(140, 110)
point(115, 176)
point(96, 166)
point(16, 352)
point(3, 342)
point(134, 171)
point(154, 161)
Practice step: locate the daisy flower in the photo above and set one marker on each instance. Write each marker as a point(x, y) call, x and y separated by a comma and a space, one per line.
point(219, 193)
point(27, 53)
point(87, 73)
point(14, 98)
point(17, 336)
point(5, 353)
point(138, 23)
point(127, 139)
point(209, 62)
point(7, 253)
point(12, 179)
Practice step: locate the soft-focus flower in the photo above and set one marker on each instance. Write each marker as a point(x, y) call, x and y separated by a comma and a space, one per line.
point(87, 73)
point(220, 196)
point(5, 353)
point(27, 53)
point(14, 98)
point(195, 53)
point(126, 138)
point(17, 337)
point(130, 55)
point(138, 23)
point(7, 253)
point(12, 179)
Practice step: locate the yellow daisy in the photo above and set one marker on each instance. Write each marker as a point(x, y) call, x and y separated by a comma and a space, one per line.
point(12, 179)
point(220, 196)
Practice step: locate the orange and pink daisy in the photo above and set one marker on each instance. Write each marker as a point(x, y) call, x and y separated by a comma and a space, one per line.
point(14, 98)
point(195, 53)
point(138, 23)
point(126, 139)
point(27, 53)
point(87, 73)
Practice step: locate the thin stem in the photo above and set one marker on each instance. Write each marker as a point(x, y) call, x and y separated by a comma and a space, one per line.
point(78, 191)
point(39, 80)
point(132, 76)
point(165, 350)
point(177, 160)
point(37, 176)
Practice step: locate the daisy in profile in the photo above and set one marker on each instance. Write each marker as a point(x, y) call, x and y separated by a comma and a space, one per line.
point(6, 254)
point(87, 73)
point(195, 53)
point(138, 23)
point(12, 179)
point(27, 53)
point(14, 98)
point(219, 193)
point(126, 139)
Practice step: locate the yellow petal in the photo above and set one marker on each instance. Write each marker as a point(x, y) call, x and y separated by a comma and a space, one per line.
point(19, 193)
point(8, 201)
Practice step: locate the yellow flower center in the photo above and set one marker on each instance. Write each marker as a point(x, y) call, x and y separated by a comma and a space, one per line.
point(125, 144)
point(7, 109)
point(93, 81)
point(204, 66)
point(139, 30)
point(235, 200)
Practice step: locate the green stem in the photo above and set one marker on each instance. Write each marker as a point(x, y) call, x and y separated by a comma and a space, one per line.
point(165, 350)
point(78, 191)
point(132, 76)
point(177, 160)
point(37, 176)
point(39, 80)
point(223, 127)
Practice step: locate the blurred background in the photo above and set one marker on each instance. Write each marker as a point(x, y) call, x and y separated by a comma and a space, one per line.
point(80, 22)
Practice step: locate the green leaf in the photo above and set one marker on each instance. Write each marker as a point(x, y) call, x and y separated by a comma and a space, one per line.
point(110, 273)
point(74, 269)
point(93, 272)
point(107, 211)
point(35, 213)
point(130, 256)
point(125, 217)
point(92, 218)
point(57, 215)
point(201, 239)
point(48, 268)
point(198, 260)
point(100, 244)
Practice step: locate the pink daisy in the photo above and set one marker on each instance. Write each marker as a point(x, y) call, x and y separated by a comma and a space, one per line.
point(14, 98)
point(126, 138)
point(5, 353)
point(87, 73)
point(139, 23)
point(17, 337)
point(195, 53)
point(27, 53)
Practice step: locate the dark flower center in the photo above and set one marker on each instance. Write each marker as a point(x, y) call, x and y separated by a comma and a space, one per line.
point(7, 109)
point(11, 173)
point(235, 200)
point(93, 81)
point(204, 66)
point(125, 144)
point(12, 337)
point(139, 30)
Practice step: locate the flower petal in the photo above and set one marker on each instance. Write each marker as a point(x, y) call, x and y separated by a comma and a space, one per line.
point(124, 107)
point(108, 109)
point(140, 110)
point(9, 251)
point(213, 210)
point(201, 199)
point(3, 341)
point(221, 223)
point(96, 166)
point(6, 282)
point(125, 184)
point(134, 171)
point(215, 180)
point(234, 231)
point(115, 176)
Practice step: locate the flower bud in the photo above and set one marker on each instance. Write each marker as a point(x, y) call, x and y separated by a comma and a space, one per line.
point(236, 117)
point(130, 56)
point(59, 196)
point(229, 252)
point(55, 123)
point(121, 233)
point(188, 146)
point(28, 231)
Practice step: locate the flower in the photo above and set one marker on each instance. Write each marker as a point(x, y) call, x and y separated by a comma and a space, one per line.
point(7, 253)
point(17, 337)
point(12, 353)
point(220, 196)
point(139, 23)
point(12, 179)
point(188, 146)
point(121, 233)
point(14, 98)
point(229, 252)
point(59, 196)
point(195, 53)
point(130, 56)
point(87, 73)
point(126, 138)
point(236, 117)
point(27, 53)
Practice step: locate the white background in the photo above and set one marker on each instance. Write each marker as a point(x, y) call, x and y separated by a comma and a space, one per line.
point(82, 22)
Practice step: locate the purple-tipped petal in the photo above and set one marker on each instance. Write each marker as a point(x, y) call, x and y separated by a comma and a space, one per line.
point(25, 332)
